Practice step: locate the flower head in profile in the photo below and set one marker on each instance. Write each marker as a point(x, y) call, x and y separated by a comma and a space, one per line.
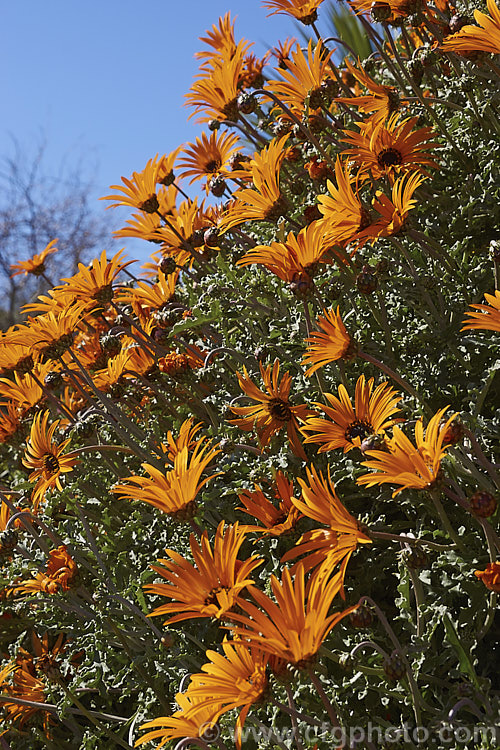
point(25, 685)
point(236, 679)
point(275, 521)
point(295, 260)
point(52, 333)
point(174, 490)
point(407, 465)
point(58, 575)
point(305, 11)
point(94, 283)
point(380, 103)
point(16, 356)
point(394, 211)
point(209, 588)
point(331, 343)
point(265, 201)
point(139, 191)
point(214, 93)
point(36, 264)
point(346, 427)
point(325, 547)
point(488, 317)
point(345, 217)
point(46, 457)
point(23, 390)
point(187, 438)
point(272, 410)
point(485, 37)
point(178, 726)
point(294, 626)
point(220, 39)
point(304, 77)
point(490, 576)
point(283, 50)
point(145, 298)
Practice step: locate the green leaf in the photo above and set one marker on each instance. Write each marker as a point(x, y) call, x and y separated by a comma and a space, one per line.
point(464, 657)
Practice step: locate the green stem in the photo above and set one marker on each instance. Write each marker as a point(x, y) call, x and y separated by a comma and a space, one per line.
point(446, 522)
point(397, 378)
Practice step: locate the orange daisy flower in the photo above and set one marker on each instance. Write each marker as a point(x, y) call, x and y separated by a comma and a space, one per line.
point(178, 726)
point(345, 217)
point(10, 422)
point(380, 103)
point(145, 298)
point(408, 465)
point(236, 680)
point(220, 38)
point(485, 37)
point(175, 490)
point(295, 260)
point(51, 334)
point(303, 79)
point(94, 283)
point(211, 587)
point(394, 211)
point(178, 235)
point(329, 345)
point(283, 50)
point(294, 626)
point(276, 520)
point(273, 410)
point(24, 391)
point(305, 11)
point(265, 202)
point(15, 354)
point(209, 156)
point(36, 264)
point(185, 439)
point(45, 457)
point(489, 317)
point(347, 427)
point(490, 576)
point(139, 191)
point(59, 574)
point(111, 378)
point(333, 545)
point(391, 148)
point(25, 686)
point(166, 163)
point(214, 93)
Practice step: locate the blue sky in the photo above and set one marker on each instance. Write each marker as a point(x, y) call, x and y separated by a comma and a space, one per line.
point(105, 79)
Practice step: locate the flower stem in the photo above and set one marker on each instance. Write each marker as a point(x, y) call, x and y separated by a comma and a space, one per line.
point(390, 372)
point(332, 714)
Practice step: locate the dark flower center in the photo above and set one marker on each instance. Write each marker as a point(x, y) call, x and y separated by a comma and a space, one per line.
point(358, 429)
point(389, 157)
point(150, 205)
point(104, 294)
point(230, 110)
point(50, 462)
point(213, 166)
point(364, 219)
point(212, 597)
point(278, 209)
point(279, 409)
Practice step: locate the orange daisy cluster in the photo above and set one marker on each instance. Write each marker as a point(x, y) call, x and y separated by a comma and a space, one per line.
point(158, 376)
